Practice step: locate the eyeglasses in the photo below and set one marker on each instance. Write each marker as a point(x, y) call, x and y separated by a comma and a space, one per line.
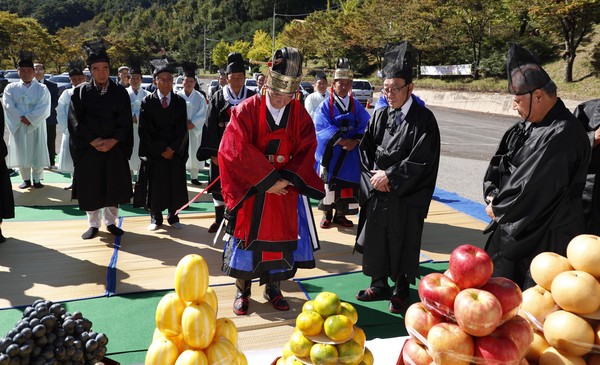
point(393, 90)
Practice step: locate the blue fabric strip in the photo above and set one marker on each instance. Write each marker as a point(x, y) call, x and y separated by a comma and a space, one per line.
point(456, 202)
point(111, 276)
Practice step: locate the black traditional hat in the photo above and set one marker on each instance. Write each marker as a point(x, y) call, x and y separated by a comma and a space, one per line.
point(136, 65)
point(235, 63)
point(320, 75)
point(189, 69)
point(25, 59)
point(398, 61)
point(75, 68)
point(343, 70)
point(96, 52)
point(160, 66)
point(524, 72)
point(285, 72)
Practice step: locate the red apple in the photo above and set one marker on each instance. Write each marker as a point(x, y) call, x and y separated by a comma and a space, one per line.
point(508, 293)
point(418, 320)
point(477, 311)
point(415, 354)
point(437, 292)
point(471, 267)
point(450, 345)
point(519, 330)
point(497, 350)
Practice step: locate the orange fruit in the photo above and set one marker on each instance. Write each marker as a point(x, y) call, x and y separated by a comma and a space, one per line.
point(327, 304)
point(350, 353)
point(324, 354)
point(359, 336)
point(367, 358)
point(300, 345)
point(349, 311)
point(338, 328)
point(309, 323)
point(308, 306)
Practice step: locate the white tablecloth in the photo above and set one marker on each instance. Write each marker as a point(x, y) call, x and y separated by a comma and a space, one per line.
point(385, 351)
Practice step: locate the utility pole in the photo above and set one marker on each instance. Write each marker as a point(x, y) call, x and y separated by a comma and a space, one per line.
point(204, 62)
point(273, 34)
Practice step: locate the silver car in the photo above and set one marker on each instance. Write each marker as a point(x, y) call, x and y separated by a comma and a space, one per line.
point(362, 90)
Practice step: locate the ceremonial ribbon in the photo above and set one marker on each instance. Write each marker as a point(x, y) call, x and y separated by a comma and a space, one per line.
point(197, 196)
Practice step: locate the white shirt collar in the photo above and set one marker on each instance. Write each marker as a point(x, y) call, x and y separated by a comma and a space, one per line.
point(160, 96)
point(275, 113)
point(406, 107)
point(343, 101)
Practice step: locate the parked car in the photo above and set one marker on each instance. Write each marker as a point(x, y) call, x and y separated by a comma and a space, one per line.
point(307, 86)
point(62, 81)
point(212, 86)
point(3, 82)
point(178, 83)
point(146, 81)
point(362, 90)
point(251, 84)
point(11, 76)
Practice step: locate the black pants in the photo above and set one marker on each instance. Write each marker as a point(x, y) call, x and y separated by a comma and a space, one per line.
point(157, 218)
point(51, 130)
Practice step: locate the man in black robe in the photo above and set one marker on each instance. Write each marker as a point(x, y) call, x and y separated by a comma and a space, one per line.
point(534, 181)
point(7, 201)
point(163, 151)
point(399, 155)
point(101, 141)
point(220, 107)
point(51, 122)
point(589, 114)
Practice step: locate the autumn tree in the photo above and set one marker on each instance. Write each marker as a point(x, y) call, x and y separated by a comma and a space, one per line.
point(261, 46)
point(573, 20)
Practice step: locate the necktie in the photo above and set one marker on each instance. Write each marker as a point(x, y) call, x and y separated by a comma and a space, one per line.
point(399, 117)
point(164, 102)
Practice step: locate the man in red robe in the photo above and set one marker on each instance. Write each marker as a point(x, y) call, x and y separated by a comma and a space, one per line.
point(266, 158)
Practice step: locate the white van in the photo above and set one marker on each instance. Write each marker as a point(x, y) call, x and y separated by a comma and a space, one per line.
point(362, 90)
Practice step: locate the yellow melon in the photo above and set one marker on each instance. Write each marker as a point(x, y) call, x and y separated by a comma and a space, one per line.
point(168, 314)
point(210, 297)
point(226, 328)
point(162, 352)
point(192, 357)
point(222, 352)
point(198, 325)
point(191, 278)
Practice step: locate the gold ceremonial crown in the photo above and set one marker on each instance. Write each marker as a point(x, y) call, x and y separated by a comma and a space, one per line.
point(343, 73)
point(282, 83)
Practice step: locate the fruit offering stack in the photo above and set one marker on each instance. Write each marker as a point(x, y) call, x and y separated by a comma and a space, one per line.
point(564, 306)
point(47, 334)
point(187, 329)
point(466, 316)
point(326, 334)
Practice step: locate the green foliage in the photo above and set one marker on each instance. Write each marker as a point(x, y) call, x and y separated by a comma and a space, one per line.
point(219, 54)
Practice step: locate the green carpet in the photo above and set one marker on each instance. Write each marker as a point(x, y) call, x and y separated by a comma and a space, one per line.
point(373, 317)
point(65, 212)
point(52, 177)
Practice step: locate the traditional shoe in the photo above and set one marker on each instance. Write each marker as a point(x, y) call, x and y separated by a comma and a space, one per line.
point(325, 223)
point(176, 225)
point(373, 293)
point(343, 221)
point(214, 227)
point(68, 187)
point(13, 173)
point(240, 306)
point(153, 227)
point(25, 184)
point(274, 296)
point(397, 304)
point(115, 230)
point(37, 185)
point(196, 182)
point(90, 233)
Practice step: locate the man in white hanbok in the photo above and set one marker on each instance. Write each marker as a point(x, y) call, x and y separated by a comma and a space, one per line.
point(65, 161)
point(196, 114)
point(321, 93)
point(136, 95)
point(26, 106)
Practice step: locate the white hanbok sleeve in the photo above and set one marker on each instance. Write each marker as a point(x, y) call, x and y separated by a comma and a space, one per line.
point(41, 111)
point(11, 112)
point(199, 117)
point(62, 110)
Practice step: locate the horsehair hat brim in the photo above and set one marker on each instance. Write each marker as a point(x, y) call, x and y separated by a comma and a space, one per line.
point(285, 72)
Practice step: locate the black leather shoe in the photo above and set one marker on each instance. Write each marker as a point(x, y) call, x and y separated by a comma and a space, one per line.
point(37, 185)
point(90, 233)
point(398, 304)
point(115, 230)
point(196, 182)
point(274, 296)
point(25, 184)
point(240, 303)
point(373, 293)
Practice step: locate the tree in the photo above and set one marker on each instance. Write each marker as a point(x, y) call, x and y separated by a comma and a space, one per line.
point(571, 19)
point(219, 53)
point(261, 46)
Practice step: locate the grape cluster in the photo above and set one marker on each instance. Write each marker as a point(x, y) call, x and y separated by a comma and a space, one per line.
point(48, 335)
